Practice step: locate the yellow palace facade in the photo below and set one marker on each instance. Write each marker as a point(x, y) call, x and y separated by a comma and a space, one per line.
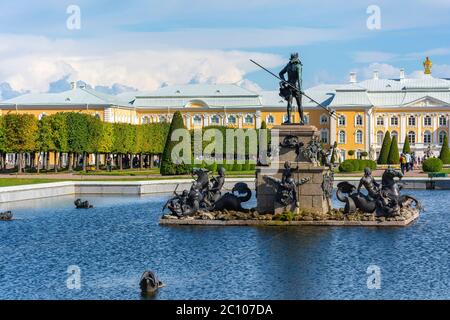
point(416, 109)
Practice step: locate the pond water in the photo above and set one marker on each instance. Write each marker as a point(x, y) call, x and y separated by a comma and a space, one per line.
point(116, 241)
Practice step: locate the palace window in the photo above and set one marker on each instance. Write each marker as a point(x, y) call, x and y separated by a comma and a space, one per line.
point(248, 119)
point(394, 134)
point(442, 135)
point(285, 118)
point(145, 119)
point(324, 136)
point(359, 120)
point(323, 119)
point(270, 119)
point(411, 121)
point(380, 121)
point(412, 137)
point(231, 119)
point(359, 137)
point(427, 137)
point(380, 136)
point(215, 119)
point(306, 119)
point(162, 119)
point(343, 155)
point(342, 120)
point(394, 121)
point(197, 120)
point(427, 121)
point(342, 137)
point(442, 121)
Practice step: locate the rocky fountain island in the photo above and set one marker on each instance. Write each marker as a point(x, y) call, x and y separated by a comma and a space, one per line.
point(295, 190)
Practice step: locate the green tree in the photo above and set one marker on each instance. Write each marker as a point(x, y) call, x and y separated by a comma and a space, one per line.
point(45, 142)
point(263, 125)
point(21, 132)
point(59, 135)
point(393, 157)
point(445, 152)
point(94, 129)
point(385, 147)
point(3, 149)
point(406, 147)
point(124, 137)
point(78, 135)
point(167, 166)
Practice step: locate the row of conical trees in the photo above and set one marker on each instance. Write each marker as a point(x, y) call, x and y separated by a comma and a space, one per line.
point(389, 153)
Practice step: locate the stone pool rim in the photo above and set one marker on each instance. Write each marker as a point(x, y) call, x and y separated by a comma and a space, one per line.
point(63, 188)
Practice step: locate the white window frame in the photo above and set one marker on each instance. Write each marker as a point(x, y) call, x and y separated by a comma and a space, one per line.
point(380, 123)
point(359, 133)
point(251, 119)
point(339, 137)
point(327, 136)
point(425, 134)
point(392, 121)
point(195, 118)
point(382, 137)
point(413, 134)
point(357, 122)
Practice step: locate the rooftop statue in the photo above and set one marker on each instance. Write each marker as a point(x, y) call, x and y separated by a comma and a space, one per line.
point(427, 65)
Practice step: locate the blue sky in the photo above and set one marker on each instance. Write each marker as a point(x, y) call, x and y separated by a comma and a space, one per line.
point(143, 44)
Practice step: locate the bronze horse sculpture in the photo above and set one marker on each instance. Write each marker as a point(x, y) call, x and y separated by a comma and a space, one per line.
point(387, 201)
point(205, 194)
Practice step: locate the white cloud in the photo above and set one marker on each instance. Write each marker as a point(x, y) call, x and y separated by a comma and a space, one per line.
point(31, 63)
point(385, 70)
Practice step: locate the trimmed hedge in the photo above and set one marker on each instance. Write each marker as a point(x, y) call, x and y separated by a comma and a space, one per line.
point(432, 165)
point(355, 165)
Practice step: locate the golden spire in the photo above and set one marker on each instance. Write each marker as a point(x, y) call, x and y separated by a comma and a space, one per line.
point(427, 66)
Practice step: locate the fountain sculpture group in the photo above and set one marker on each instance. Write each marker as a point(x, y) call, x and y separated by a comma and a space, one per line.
point(300, 178)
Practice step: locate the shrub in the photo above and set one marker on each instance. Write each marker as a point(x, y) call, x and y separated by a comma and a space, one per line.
point(212, 167)
point(386, 146)
point(237, 167)
point(351, 152)
point(364, 154)
point(432, 165)
point(246, 166)
point(346, 166)
point(167, 166)
point(393, 157)
point(406, 147)
point(445, 152)
point(354, 165)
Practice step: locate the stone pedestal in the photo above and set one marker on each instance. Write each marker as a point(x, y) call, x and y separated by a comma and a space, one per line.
point(311, 195)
